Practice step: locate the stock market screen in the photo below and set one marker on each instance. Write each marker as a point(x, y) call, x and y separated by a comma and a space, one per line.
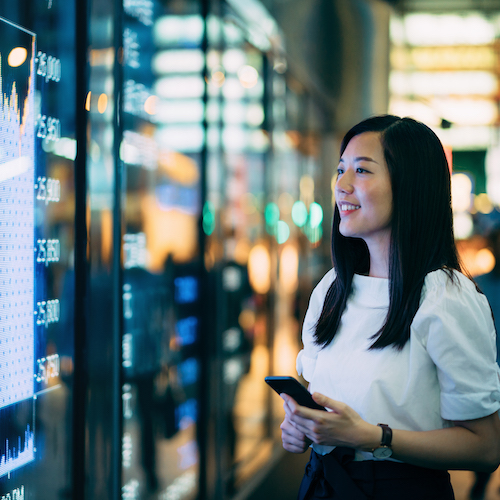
point(19, 320)
point(36, 231)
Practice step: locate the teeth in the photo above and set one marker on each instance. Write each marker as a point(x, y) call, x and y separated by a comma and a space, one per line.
point(349, 207)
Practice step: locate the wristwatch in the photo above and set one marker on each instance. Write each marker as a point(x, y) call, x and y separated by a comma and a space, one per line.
point(384, 450)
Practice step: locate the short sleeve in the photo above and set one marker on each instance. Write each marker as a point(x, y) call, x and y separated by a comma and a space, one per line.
point(456, 322)
point(306, 359)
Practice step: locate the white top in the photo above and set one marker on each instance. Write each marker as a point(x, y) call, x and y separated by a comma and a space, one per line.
point(445, 372)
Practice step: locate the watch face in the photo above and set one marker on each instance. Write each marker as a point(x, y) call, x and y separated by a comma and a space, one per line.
point(382, 452)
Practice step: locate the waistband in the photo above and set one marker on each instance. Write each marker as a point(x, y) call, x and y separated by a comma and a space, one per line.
point(340, 471)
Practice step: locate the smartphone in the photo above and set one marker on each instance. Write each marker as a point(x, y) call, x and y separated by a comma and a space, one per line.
point(295, 389)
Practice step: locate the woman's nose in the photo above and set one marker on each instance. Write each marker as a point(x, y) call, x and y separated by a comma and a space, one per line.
point(344, 183)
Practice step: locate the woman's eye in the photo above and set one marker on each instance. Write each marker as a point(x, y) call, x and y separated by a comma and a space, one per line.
point(340, 171)
point(360, 170)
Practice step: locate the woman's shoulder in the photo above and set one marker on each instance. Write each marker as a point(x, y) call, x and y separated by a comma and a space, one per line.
point(451, 301)
point(321, 289)
point(445, 284)
point(326, 281)
point(448, 278)
point(328, 278)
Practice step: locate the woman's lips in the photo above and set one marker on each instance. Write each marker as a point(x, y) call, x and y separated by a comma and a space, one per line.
point(348, 208)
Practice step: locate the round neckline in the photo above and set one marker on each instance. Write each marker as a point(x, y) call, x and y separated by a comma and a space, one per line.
point(366, 276)
point(371, 290)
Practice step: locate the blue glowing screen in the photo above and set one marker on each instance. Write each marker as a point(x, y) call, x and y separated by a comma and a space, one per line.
point(17, 257)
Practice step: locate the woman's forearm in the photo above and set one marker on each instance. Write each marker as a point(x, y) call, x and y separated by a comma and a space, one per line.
point(473, 445)
point(450, 448)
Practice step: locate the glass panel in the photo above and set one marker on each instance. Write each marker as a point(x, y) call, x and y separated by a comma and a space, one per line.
point(101, 412)
point(37, 149)
point(238, 254)
point(161, 150)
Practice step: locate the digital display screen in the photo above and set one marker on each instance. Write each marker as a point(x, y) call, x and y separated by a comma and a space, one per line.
point(18, 315)
point(36, 243)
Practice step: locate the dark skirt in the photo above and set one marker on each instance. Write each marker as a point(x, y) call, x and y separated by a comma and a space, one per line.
point(337, 477)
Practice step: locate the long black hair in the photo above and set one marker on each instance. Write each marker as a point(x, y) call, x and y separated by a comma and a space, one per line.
point(422, 237)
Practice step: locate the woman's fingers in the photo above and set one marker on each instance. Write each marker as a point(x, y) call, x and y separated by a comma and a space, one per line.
point(331, 404)
point(337, 427)
point(292, 439)
point(287, 426)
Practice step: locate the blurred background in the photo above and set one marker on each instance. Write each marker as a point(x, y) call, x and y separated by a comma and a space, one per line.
point(178, 158)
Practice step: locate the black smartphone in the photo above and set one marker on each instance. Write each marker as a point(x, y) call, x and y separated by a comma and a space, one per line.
point(295, 389)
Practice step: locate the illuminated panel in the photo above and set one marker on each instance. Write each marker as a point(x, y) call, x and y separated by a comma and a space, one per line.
point(16, 457)
point(17, 141)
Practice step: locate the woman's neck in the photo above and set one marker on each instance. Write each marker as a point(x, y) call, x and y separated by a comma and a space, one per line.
point(378, 271)
point(379, 260)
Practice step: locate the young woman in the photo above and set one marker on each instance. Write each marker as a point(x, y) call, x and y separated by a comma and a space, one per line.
point(399, 345)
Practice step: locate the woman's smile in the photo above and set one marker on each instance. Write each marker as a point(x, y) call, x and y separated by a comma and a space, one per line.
point(347, 208)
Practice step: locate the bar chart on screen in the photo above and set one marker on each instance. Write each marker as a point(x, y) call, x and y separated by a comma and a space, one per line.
point(17, 253)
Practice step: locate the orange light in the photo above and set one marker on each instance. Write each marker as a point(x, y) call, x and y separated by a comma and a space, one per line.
point(102, 103)
point(178, 167)
point(150, 105)
point(259, 269)
point(289, 269)
point(485, 261)
point(180, 241)
point(246, 319)
point(106, 235)
point(87, 101)
point(17, 57)
point(218, 78)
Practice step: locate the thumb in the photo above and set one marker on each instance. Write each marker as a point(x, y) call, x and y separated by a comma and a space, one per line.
point(325, 401)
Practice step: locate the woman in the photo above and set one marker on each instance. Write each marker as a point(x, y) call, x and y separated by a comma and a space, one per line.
point(398, 343)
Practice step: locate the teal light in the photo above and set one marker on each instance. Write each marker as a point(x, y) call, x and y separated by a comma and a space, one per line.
point(315, 215)
point(314, 234)
point(282, 232)
point(208, 218)
point(272, 214)
point(299, 213)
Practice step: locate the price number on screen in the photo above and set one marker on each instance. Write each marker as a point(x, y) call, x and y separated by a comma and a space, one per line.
point(135, 96)
point(134, 250)
point(127, 449)
point(140, 9)
point(49, 128)
point(48, 189)
point(127, 350)
point(127, 401)
point(48, 368)
point(48, 67)
point(48, 251)
point(48, 312)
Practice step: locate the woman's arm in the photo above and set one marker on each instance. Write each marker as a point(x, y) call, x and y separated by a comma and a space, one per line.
point(472, 444)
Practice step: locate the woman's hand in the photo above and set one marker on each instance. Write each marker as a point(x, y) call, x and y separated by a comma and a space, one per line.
point(293, 440)
point(340, 427)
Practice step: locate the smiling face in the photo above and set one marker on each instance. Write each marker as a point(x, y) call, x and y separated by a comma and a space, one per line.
point(363, 191)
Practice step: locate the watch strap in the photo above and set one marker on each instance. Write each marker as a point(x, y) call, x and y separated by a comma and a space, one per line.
point(386, 435)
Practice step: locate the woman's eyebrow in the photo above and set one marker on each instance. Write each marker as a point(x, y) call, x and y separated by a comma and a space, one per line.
point(361, 158)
